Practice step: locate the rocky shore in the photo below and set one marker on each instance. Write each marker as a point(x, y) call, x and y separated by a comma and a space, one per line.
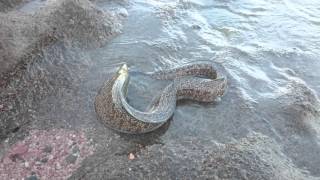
point(56, 54)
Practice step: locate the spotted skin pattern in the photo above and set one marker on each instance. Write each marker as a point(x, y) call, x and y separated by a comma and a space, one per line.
point(116, 117)
point(115, 112)
point(199, 68)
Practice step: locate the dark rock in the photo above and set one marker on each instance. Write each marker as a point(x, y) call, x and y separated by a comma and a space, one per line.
point(7, 5)
point(16, 157)
point(195, 26)
point(253, 157)
point(47, 149)
point(71, 159)
point(44, 160)
point(75, 150)
point(24, 38)
point(32, 177)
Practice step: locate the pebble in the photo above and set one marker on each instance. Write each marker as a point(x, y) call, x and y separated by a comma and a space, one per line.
point(131, 156)
point(123, 12)
point(26, 164)
point(58, 166)
point(70, 143)
point(37, 163)
point(50, 157)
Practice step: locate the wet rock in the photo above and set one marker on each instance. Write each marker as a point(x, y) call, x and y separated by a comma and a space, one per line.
point(253, 157)
point(43, 164)
point(195, 26)
point(296, 120)
point(23, 39)
point(30, 32)
point(90, 27)
point(123, 12)
point(6, 5)
point(295, 110)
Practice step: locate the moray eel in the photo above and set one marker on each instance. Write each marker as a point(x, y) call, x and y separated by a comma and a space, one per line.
point(115, 112)
point(110, 111)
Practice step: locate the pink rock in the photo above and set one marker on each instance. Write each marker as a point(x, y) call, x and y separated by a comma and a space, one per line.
point(19, 149)
point(31, 151)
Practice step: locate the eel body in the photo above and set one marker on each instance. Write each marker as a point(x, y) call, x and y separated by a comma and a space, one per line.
point(115, 112)
point(110, 111)
point(198, 68)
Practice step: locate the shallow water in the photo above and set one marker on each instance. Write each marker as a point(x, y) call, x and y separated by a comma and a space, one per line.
point(269, 50)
